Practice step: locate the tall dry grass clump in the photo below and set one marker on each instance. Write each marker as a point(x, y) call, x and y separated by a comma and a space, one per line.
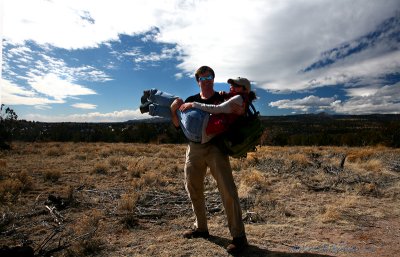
point(361, 154)
point(336, 211)
point(128, 201)
point(148, 180)
point(11, 185)
point(56, 150)
point(90, 242)
point(3, 167)
point(114, 161)
point(51, 175)
point(252, 182)
point(100, 168)
point(127, 207)
point(298, 159)
point(331, 213)
point(9, 189)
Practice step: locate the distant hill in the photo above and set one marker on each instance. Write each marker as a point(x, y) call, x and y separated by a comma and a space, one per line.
point(149, 120)
point(325, 129)
point(302, 129)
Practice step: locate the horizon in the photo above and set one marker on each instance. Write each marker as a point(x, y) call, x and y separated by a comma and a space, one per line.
point(71, 61)
point(161, 119)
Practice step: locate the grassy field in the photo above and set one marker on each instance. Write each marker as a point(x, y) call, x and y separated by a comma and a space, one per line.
point(103, 199)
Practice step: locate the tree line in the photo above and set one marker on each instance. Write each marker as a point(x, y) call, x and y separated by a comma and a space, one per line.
point(305, 130)
point(335, 130)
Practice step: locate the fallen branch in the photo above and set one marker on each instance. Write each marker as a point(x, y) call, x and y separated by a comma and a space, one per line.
point(56, 215)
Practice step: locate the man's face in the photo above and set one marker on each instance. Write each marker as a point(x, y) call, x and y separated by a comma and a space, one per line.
point(206, 80)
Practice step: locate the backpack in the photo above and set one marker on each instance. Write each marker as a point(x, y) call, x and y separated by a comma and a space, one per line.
point(243, 135)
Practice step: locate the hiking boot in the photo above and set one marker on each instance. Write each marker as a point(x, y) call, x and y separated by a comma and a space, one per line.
point(145, 107)
point(237, 244)
point(194, 233)
point(145, 97)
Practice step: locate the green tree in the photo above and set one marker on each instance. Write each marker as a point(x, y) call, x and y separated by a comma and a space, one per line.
point(8, 119)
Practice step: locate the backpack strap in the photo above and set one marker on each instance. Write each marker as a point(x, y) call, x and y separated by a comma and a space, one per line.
point(253, 111)
point(250, 109)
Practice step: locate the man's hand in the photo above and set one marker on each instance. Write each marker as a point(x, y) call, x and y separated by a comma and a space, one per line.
point(186, 106)
point(176, 104)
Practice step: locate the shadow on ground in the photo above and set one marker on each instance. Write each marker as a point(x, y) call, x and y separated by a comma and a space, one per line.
point(255, 251)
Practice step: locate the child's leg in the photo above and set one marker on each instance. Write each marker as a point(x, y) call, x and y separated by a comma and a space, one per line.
point(161, 98)
point(159, 110)
point(192, 123)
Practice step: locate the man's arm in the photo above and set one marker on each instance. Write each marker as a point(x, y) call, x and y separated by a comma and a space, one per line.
point(174, 107)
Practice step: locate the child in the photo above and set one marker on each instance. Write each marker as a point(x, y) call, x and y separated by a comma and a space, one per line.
point(201, 122)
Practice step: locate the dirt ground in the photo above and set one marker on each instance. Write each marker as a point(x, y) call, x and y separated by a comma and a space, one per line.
point(104, 199)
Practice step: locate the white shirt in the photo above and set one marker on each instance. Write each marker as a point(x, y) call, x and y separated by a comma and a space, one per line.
point(229, 106)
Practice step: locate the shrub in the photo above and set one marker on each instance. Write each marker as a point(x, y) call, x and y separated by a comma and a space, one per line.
point(128, 202)
point(89, 245)
point(52, 175)
point(100, 168)
point(3, 166)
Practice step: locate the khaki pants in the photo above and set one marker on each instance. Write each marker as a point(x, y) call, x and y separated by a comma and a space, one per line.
point(198, 158)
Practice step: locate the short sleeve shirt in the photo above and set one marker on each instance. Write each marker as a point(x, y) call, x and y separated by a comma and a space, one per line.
point(215, 99)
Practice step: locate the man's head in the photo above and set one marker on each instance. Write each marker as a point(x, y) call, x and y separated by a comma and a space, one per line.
point(205, 79)
point(240, 82)
point(204, 70)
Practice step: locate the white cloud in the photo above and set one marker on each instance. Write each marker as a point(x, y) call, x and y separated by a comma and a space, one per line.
point(305, 104)
point(12, 94)
point(8, 87)
point(347, 72)
point(116, 116)
point(361, 91)
point(51, 85)
point(383, 100)
point(178, 75)
point(363, 101)
point(45, 90)
point(75, 24)
point(27, 63)
point(166, 53)
point(84, 106)
point(19, 51)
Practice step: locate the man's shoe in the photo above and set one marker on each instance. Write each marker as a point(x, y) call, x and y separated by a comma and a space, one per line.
point(194, 233)
point(237, 245)
point(145, 107)
point(145, 97)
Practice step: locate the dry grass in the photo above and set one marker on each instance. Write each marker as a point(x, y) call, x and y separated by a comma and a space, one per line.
point(100, 168)
point(127, 203)
point(91, 243)
point(52, 175)
point(129, 200)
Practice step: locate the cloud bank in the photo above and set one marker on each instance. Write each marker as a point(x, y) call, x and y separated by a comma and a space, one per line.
point(368, 101)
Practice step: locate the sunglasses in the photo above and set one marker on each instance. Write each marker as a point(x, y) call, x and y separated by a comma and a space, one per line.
point(206, 78)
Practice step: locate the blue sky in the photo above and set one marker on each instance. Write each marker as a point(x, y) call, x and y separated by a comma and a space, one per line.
point(89, 61)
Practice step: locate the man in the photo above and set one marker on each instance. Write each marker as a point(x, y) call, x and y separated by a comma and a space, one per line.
point(198, 158)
